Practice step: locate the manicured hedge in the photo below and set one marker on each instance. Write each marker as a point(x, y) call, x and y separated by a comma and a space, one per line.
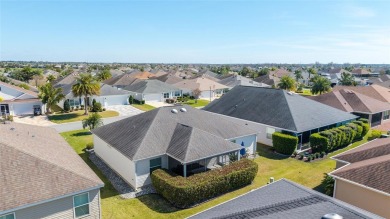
point(374, 134)
point(318, 143)
point(283, 143)
point(186, 192)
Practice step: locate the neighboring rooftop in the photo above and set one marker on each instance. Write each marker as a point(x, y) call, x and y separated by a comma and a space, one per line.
point(283, 199)
point(37, 164)
point(151, 87)
point(152, 133)
point(277, 108)
point(169, 78)
point(375, 91)
point(201, 83)
point(236, 80)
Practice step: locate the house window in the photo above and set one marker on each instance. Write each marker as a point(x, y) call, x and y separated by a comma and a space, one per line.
point(386, 115)
point(166, 95)
point(155, 164)
point(8, 216)
point(177, 93)
point(81, 205)
point(270, 131)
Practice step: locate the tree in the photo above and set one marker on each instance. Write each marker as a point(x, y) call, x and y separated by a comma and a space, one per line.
point(24, 86)
point(245, 71)
point(85, 86)
point(50, 95)
point(320, 85)
point(328, 184)
point(311, 71)
point(263, 71)
point(92, 121)
point(103, 75)
point(298, 75)
point(50, 78)
point(196, 93)
point(37, 79)
point(66, 106)
point(287, 83)
point(347, 79)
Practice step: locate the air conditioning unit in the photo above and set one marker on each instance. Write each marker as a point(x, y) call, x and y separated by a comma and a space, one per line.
point(271, 180)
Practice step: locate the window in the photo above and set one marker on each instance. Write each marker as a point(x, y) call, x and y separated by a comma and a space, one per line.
point(166, 95)
point(81, 205)
point(234, 140)
point(177, 93)
point(270, 131)
point(8, 216)
point(386, 115)
point(155, 164)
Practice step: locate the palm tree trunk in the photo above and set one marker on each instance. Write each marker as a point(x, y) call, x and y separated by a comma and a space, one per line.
point(48, 109)
point(86, 105)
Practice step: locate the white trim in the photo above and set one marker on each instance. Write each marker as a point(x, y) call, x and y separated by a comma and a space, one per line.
point(4, 215)
point(52, 199)
point(74, 207)
point(334, 189)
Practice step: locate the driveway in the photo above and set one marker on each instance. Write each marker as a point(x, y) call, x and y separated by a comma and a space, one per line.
point(34, 120)
point(125, 110)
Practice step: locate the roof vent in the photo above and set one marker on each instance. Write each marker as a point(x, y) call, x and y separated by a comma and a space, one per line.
point(331, 216)
point(174, 111)
point(183, 110)
point(271, 180)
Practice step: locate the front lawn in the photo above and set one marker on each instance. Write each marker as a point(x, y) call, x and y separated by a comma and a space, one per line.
point(200, 103)
point(153, 206)
point(78, 116)
point(143, 107)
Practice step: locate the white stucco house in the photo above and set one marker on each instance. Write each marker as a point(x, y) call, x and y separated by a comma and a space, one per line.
point(209, 89)
point(183, 140)
point(18, 101)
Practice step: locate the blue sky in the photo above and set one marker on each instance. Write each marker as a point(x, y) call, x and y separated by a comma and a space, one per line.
point(196, 31)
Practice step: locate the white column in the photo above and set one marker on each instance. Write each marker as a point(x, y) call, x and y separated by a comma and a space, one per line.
point(185, 170)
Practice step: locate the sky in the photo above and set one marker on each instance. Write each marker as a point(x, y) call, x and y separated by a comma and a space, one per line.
point(221, 32)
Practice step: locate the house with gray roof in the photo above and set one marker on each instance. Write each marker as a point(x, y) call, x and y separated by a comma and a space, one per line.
point(183, 140)
point(237, 80)
point(284, 199)
point(42, 176)
point(271, 110)
point(153, 91)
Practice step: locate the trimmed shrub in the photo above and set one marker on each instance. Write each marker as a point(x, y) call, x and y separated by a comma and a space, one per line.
point(89, 146)
point(97, 107)
point(140, 102)
point(374, 134)
point(186, 192)
point(364, 120)
point(66, 106)
point(131, 99)
point(283, 143)
point(318, 142)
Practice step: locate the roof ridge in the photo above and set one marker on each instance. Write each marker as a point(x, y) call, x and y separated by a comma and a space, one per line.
point(289, 109)
point(51, 163)
point(189, 140)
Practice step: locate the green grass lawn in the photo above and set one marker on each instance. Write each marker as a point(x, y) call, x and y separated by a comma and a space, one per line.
point(143, 107)
point(306, 92)
point(200, 103)
point(153, 206)
point(78, 116)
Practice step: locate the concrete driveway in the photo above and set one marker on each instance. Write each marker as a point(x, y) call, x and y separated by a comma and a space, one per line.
point(34, 120)
point(125, 110)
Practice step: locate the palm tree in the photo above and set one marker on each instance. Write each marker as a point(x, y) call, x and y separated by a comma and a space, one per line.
point(50, 78)
point(50, 95)
point(320, 85)
point(287, 83)
point(92, 121)
point(103, 75)
point(311, 71)
point(298, 75)
point(347, 79)
point(85, 86)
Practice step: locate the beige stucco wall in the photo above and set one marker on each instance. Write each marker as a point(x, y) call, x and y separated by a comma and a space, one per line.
point(366, 199)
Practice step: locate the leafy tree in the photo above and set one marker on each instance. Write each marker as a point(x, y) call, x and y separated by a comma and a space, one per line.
point(66, 106)
point(224, 69)
point(347, 79)
point(263, 71)
point(85, 86)
point(196, 93)
point(387, 72)
point(50, 78)
point(50, 95)
point(320, 85)
point(24, 86)
point(328, 185)
point(92, 121)
point(245, 71)
point(37, 78)
point(298, 75)
point(25, 74)
point(311, 71)
point(3, 78)
point(103, 75)
point(287, 83)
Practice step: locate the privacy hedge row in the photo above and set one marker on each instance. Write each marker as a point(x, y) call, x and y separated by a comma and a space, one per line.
point(364, 124)
point(186, 192)
point(318, 142)
point(283, 143)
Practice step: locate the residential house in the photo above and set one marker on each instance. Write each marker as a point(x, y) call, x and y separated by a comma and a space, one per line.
point(271, 110)
point(169, 78)
point(182, 139)
point(374, 110)
point(375, 91)
point(280, 73)
point(362, 177)
point(43, 177)
point(18, 101)
point(361, 72)
point(237, 80)
point(209, 89)
point(153, 91)
point(284, 199)
point(268, 79)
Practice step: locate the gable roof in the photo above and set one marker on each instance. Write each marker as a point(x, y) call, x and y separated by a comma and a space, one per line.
point(279, 72)
point(28, 92)
point(236, 80)
point(277, 108)
point(169, 78)
point(151, 87)
point(37, 164)
point(351, 101)
point(201, 83)
point(267, 79)
point(368, 165)
point(149, 134)
point(122, 80)
point(283, 199)
point(375, 91)
point(108, 90)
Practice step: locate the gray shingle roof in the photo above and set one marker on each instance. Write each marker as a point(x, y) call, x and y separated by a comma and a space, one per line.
point(151, 87)
point(108, 90)
point(278, 108)
point(150, 133)
point(283, 199)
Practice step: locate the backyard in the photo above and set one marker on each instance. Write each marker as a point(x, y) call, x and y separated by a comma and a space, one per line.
point(78, 116)
point(153, 206)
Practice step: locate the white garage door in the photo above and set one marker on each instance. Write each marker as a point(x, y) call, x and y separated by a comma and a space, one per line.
point(116, 100)
point(24, 108)
point(153, 97)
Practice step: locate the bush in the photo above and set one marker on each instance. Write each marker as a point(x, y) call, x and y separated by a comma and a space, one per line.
point(8, 118)
point(72, 108)
point(363, 120)
point(323, 154)
point(66, 106)
point(283, 143)
point(374, 134)
point(186, 192)
point(140, 102)
point(96, 107)
point(104, 109)
point(89, 146)
point(317, 155)
point(318, 142)
point(131, 99)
